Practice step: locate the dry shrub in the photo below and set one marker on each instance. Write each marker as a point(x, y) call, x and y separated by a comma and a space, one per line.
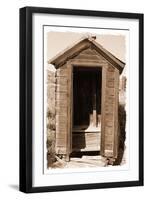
point(50, 138)
point(122, 133)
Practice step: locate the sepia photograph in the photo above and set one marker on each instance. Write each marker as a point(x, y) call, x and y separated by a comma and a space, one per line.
point(81, 99)
point(85, 106)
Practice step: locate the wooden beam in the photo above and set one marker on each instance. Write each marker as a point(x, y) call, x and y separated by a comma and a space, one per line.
point(69, 112)
point(102, 151)
point(115, 142)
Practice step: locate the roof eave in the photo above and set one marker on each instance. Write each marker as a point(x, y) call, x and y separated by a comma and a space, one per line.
point(69, 53)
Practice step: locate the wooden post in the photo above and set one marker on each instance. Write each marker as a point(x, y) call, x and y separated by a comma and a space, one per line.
point(69, 112)
point(102, 149)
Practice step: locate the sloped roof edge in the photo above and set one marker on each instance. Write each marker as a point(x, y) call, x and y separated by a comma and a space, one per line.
point(80, 45)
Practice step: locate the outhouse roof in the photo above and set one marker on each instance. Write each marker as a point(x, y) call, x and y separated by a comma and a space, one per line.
point(83, 44)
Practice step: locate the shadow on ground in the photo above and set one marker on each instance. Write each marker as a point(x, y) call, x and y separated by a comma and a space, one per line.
point(14, 187)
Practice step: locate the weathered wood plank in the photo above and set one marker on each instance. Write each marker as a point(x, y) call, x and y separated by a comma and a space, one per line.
point(89, 62)
point(61, 110)
point(59, 105)
point(109, 111)
point(110, 74)
point(108, 123)
point(61, 81)
point(109, 108)
point(60, 101)
point(110, 84)
point(61, 121)
point(74, 51)
point(60, 125)
point(110, 91)
point(62, 72)
point(115, 142)
point(60, 134)
point(69, 109)
point(90, 57)
point(61, 96)
point(102, 150)
point(109, 147)
point(85, 140)
point(111, 68)
point(61, 142)
point(110, 100)
point(89, 51)
point(61, 88)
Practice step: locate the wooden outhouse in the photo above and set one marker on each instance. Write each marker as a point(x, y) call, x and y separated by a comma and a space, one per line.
point(86, 99)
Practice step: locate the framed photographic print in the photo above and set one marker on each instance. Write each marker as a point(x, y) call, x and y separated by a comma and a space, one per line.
point(81, 99)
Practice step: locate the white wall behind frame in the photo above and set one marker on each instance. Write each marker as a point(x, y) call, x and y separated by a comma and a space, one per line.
point(9, 99)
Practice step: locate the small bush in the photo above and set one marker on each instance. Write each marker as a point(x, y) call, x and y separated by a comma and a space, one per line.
point(51, 138)
point(50, 115)
point(122, 133)
point(51, 148)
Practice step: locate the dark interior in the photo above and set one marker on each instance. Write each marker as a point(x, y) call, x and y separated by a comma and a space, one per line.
point(86, 94)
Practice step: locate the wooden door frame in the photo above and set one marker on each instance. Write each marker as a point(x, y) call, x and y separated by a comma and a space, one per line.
point(80, 63)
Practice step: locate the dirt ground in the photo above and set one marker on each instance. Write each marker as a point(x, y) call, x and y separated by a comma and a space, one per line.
point(81, 162)
point(84, 161)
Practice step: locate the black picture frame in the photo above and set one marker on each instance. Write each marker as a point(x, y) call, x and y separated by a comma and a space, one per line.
point(25, 89)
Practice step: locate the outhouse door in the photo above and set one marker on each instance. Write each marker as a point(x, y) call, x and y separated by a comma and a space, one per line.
point(101, 109)
point(86, 123)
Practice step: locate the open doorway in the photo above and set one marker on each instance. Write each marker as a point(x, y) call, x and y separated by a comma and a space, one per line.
point(86, 129)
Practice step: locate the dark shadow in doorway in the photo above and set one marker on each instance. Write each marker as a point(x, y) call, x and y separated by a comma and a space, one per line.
point(79, 154)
